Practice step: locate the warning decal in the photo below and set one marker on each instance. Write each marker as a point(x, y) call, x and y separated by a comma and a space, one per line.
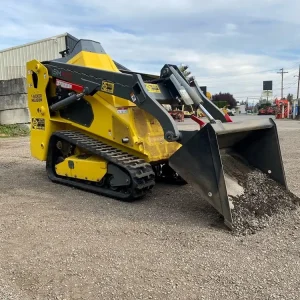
point(122, 110)
point(36, 97)
point(107, 87)
point(152, 88)
point(38, 124)
point(69, 85)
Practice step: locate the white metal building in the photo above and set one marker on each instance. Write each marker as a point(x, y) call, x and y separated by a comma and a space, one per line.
point(13, 60)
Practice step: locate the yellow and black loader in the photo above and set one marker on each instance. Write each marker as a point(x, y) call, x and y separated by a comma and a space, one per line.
point(102, 128)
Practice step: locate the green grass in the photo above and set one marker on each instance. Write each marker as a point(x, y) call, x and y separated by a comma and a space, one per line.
point(13, 130)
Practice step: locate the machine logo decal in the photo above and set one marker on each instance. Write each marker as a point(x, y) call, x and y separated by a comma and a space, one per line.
point(107, 87)
point(38, 124)
point(36, 98)
point(152, 88)
point(56, 72)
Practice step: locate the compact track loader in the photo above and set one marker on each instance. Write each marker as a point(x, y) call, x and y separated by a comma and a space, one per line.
point(102, 128)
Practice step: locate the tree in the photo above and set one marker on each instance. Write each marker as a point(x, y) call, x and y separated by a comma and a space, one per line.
point(290, 97)
point(225, 97)
point(256, 108)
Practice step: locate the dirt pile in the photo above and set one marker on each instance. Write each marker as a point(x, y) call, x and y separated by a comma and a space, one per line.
point(259, 199)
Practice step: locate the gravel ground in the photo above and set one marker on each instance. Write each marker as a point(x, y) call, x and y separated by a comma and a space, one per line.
point(62, 243)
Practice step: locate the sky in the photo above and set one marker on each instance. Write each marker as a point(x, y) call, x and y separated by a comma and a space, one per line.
point(229, 45)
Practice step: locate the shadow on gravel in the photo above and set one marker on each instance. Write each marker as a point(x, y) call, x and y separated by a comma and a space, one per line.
point(167, 204)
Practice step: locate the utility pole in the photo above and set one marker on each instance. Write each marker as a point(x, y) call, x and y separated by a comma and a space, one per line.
point(298, 114)
point(281, 72)
point(298, 84)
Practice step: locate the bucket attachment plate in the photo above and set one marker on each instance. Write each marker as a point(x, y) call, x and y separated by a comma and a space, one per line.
point(199, 160)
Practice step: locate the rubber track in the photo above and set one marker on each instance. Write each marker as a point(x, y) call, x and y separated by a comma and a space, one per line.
point(141, 172)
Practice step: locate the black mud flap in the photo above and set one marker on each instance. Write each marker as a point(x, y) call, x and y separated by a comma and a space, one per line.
point(199, 160)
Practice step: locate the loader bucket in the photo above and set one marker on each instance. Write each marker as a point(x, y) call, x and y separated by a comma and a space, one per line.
point(199, 160)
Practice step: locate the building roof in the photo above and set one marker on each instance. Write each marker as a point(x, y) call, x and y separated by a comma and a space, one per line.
point(39, 41)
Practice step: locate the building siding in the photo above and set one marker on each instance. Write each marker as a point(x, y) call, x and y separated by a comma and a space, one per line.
point(13, 61)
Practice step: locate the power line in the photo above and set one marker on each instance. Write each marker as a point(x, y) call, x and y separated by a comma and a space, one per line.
point(292, 66)
point(256, 94)
point(288, 85)
point(249, 82)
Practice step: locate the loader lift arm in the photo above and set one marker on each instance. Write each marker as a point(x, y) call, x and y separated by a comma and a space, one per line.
point(209, 105)
point(132, 87)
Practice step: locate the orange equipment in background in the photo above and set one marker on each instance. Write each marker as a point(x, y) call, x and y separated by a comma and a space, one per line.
point(283, 108)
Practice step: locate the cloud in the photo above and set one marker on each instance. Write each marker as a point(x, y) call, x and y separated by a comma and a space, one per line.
point(229, 45)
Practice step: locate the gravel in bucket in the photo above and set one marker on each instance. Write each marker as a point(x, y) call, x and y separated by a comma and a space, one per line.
point(256, 199)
